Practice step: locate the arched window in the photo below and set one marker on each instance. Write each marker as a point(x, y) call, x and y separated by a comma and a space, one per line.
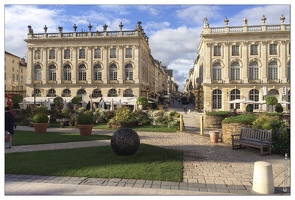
point(67, 73)
point(37, 92)
point(51, 93)
point(235, 71)
point(112, 93)
point(96, 93)
point(113, 72)
point(128, 93)
point(253, 71)
point(37, 73)
point(254, 96)
point(216, 99)
point(128, 72)
point(272, 70)
point(66, 93)
point(97, 72)
point(82, 73)
point(81, 92)
point(217, 71)
point(235, 94)
point(52, 73)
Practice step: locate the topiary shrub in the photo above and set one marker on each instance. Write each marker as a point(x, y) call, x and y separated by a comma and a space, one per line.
point(142, 101)
point(249, 108)
point(218, 113)
point(279, 108)
point(85, 119)
point(40, 118)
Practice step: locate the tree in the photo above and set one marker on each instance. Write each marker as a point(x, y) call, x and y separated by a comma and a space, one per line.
point(16, 99)
point(271, 100)
point(58, 102)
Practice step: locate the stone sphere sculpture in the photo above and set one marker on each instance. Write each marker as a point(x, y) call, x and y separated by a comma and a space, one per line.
point(125, 141)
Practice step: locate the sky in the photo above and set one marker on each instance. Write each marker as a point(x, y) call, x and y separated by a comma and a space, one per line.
point(173, 29)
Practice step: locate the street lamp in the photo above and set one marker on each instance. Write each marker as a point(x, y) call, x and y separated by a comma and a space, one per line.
point(34, 93)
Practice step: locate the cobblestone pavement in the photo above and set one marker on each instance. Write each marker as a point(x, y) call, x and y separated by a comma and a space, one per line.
point(208, 168)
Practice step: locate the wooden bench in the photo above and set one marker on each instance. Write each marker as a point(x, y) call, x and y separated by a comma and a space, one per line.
point(257, 138)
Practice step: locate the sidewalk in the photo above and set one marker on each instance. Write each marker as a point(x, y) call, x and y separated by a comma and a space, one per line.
point(208, 168)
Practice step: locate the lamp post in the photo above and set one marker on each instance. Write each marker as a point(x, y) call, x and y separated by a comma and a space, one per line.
point(34, 93)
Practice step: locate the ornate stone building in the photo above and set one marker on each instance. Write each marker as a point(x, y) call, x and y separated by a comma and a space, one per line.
point(242, 62)
point(92, 64)
point(14, 75)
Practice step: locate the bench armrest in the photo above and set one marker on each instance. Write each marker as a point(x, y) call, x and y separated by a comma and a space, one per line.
point(235, 135)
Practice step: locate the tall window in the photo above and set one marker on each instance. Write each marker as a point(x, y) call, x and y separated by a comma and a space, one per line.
point(82, 72)
point(97, 72)
point(273, 49)
point(97, 53)
point(235, 50)
point(253, 71)
point(234, 94)
point(52, 73)
point(37, 54)
point(67, 54)
point(112, 93)
point(216, 99)
point(113, 72)
point(113, 53)
point(128, 53)
point(128, 72)
point(37, 73)
point(51, 54)
point(217, 71)
point(235, 71)
point(217, 50)
point(254, 96)
point(272, 70)
point(81, 92)
point(82, 53)
point(254, 49)
point(67, 73)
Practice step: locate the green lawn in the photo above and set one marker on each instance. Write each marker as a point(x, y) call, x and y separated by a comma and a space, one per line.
point(30, 137)
point(148, 163)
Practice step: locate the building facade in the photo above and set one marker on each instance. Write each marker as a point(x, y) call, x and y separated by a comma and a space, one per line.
point(15, 76)
point(91, 64)
point(242, 62)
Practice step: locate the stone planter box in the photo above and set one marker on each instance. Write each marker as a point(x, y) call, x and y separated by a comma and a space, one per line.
point(229, 129)
point(213, 121)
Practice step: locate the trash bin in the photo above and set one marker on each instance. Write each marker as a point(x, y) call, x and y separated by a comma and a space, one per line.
point(214, 136)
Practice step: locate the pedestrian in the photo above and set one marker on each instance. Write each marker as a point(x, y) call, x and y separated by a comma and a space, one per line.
point(9, 127)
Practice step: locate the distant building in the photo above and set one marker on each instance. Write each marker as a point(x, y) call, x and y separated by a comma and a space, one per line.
point(242, 62)
point(93, 64)
point(14, 75)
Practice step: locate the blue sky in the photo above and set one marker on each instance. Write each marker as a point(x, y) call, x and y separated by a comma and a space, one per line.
point(173, 29)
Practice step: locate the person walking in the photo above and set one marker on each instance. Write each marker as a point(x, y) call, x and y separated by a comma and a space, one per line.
point(9, 127)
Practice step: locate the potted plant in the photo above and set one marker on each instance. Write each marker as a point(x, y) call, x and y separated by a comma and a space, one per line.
point(142, 102)
point(40, 122)
point(85, 123)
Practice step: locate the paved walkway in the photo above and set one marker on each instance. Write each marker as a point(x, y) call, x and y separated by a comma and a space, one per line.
point(208, 168)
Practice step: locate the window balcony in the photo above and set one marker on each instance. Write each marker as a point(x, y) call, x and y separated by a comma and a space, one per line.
point(113, 81)
point(129, 81)
point(66, 82)
point(273, 80)
point(81, 82)
point(235, 81)
point(217, 81)
point(37, 82)
point(51, 82)
point(97, 82)
point(254, 81)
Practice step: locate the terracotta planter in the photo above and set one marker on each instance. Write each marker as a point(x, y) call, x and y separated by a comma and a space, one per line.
point(40, 127)
point(214, 136)
point(85, 130)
